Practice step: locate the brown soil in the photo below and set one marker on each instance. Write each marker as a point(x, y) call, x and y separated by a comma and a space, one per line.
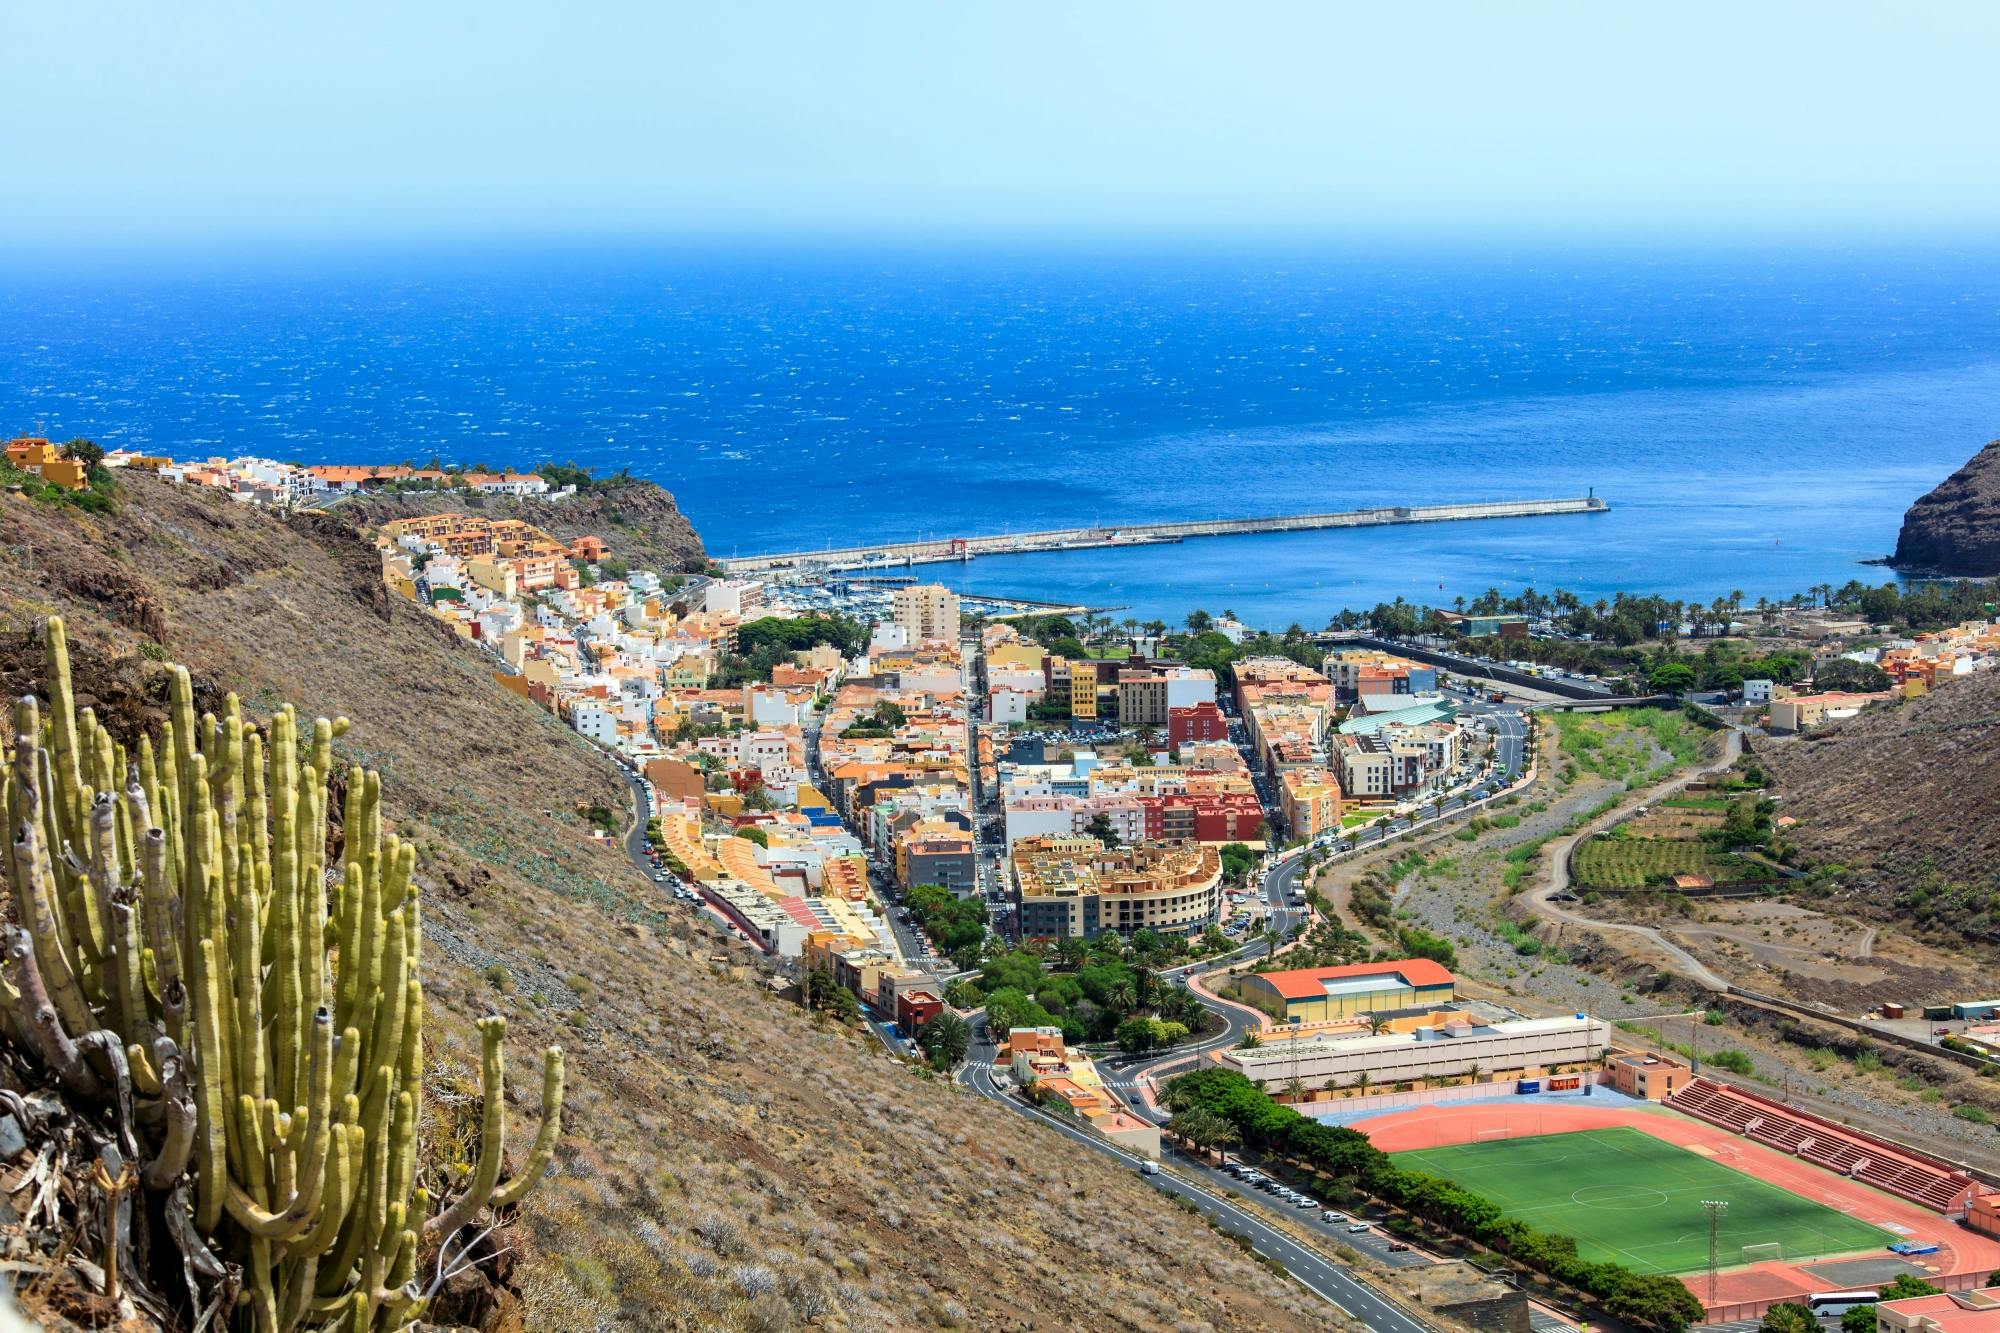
point(726, 1163)
point(1900, 808)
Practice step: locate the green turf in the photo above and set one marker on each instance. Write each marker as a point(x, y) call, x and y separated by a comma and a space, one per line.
point(1633, 1199)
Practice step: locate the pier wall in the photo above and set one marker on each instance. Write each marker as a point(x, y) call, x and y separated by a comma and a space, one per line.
point(1143, 534)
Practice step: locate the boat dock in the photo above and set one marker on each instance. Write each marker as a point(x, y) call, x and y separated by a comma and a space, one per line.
point(888, 555)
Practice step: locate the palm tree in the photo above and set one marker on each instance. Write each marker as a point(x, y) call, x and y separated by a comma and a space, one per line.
point(1377, 1025)
point(1297, 1088)
point(1122, 996)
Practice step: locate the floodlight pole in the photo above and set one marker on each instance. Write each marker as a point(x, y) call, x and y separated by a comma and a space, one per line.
point(1715, 1208)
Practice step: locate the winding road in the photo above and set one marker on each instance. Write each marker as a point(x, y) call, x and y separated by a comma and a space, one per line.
point(1557, 880)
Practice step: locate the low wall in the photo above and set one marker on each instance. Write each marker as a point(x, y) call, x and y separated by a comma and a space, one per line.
point(1384, 1103)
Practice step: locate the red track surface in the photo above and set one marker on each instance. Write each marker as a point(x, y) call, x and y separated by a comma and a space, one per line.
point(1745, 1292)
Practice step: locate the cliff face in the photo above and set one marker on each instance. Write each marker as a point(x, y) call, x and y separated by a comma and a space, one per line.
point(640, 523)
point(1955, 530)
point(726, 1162)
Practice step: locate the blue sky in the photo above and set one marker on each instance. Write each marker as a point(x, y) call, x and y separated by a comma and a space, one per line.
point(356, 118)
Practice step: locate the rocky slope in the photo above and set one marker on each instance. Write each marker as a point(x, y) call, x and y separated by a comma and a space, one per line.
point(1955, 530)
point(640, 522)
point(1905, 801)
point(727, 1164)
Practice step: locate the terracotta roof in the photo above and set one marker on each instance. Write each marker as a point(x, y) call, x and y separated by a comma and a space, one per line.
point(1309, 983)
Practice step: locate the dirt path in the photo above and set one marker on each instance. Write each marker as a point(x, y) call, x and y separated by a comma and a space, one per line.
point(1557, 879)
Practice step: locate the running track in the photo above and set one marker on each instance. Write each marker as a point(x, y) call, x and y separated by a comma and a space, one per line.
point(1966, 1254)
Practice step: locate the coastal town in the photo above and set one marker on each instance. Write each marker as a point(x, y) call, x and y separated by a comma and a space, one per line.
point(934, 816)
point(1138, 881)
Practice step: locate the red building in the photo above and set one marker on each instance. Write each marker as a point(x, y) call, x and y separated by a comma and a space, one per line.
point(1201, 722)
point(916, 1008)
point(1216, 817)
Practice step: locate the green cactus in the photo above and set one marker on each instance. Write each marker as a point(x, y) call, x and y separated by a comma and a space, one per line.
point(174, 906)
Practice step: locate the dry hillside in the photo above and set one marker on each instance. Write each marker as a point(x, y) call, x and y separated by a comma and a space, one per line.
point(727, 1163)
point(1905, 798)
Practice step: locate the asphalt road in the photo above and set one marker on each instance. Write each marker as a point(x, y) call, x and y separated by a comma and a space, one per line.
point(1323, 1277)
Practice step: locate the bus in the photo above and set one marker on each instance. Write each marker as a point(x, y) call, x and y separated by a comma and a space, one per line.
point(1834, 1304)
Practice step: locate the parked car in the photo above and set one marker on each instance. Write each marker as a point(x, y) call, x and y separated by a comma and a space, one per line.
point(1331, 1216)
point(1357, 1228)
point(1304, 1202)
point(1398, 1246)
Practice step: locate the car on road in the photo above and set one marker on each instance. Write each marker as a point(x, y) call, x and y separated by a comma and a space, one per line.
point(1149, 1168)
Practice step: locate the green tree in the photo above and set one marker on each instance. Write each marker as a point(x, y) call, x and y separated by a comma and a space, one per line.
point(1843, 673)
point(1861, 1319)
point(87, 452)
point(1905, 1287)
point(1100, 828)
point(1789, 1317)
point(945, 1039)
point(1672, 677)
point(829, 997)
point(1138, 1035)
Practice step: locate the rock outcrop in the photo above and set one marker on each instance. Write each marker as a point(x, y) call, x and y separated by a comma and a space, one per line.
point(1955, 530)
point(640, 523)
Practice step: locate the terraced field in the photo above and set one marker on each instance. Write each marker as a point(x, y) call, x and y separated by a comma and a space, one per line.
point(1635, 863)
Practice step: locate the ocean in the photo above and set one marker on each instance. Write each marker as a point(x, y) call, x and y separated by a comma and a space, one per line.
point(1757, 418)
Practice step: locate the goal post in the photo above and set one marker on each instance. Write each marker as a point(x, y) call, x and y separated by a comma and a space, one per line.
point(1488, 1135)
point(1769, 1252)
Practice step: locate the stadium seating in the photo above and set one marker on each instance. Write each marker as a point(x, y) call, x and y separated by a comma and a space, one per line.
point(1811, 1138)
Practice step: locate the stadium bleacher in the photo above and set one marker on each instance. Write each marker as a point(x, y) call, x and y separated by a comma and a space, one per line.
point(1811, 1138)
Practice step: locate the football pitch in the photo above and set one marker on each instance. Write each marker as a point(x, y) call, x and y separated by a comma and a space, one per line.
point(1630, 1198)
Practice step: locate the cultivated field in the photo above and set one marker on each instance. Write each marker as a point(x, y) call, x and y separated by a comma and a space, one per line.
point(1618, 862)
point(1635, 1199)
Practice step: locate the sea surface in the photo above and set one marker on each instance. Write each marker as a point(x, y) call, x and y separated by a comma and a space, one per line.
point(1757, 418)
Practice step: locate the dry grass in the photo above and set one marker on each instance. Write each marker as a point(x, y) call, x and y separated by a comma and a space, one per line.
point(726, 1164)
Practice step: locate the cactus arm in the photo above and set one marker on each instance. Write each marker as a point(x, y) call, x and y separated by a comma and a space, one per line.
point(211, 1142)
point(32, 896)
point(492, 1132)
point(177, 1146)
point(57, 1050)
point(302, 1205)
point(545, 1138)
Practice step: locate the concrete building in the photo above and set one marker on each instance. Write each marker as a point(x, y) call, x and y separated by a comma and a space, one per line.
point(1459, 1049)
point(926, 612)
point(1078, 887)
point(1953, 1312)
point(1803, 711)
point(1142, 699)
point(1319, 994)
point(1757, 693)
point(1649, 1077)
point(1310, 800)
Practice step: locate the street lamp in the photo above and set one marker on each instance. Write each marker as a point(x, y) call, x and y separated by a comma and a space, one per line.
point(1715, 1208)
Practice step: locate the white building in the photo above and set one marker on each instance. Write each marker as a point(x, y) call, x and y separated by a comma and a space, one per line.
point(1007, 704)
point(595, 722)
point(1461, 1047)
